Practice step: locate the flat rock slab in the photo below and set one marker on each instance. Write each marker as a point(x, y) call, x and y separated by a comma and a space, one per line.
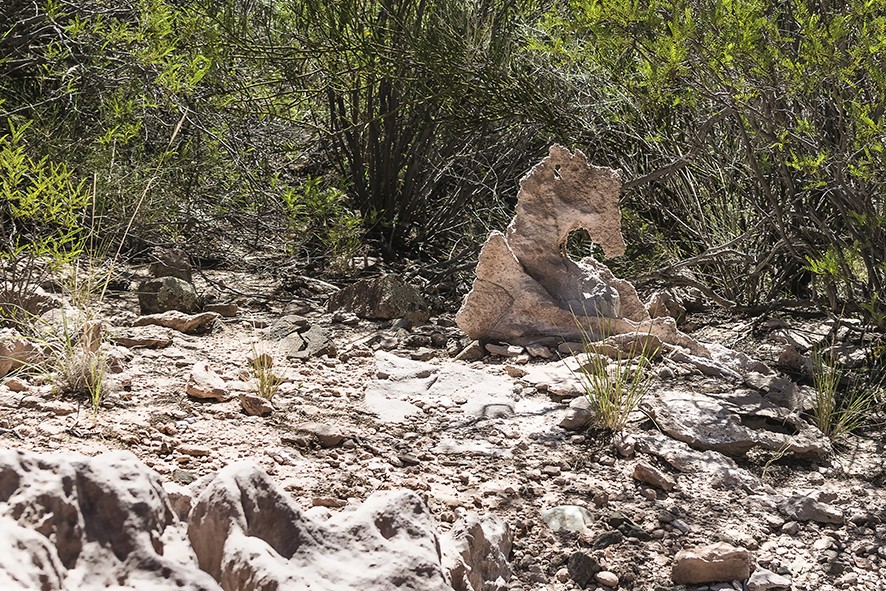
point(561, 378)
point(714, 563)
point(295, 338)
point(733, 421)
point(186, 323)
point(401, 381)
point(725, 473)
point(145, 337)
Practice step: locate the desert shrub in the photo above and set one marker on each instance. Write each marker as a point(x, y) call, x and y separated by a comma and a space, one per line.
point(427, 111)
point(751, 133)
point(843, 401)
point(41, 221)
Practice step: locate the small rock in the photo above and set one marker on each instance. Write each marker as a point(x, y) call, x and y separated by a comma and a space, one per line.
point(711, 564)
point(606, 578)
point(171, 262)
point(326, 435)
point(255, 406)
point(473, 352)
point(790, 528)
point(608, 538)
point(409, 459)
point(562, 575)
point(184, 323)
point(205, 383)
point(651, 475)
point(538, 351)
point(224, 310)
point(504, 350)
point(59, 408)
point(582, 568)
point(578, 415)
point(762, 580)
point(569, 518)
point(810, 508)
point(551, 470)
point(330, 502)
point(624, 444)
point(514, 371)
point(16, 385)
point(142, 337)
point(194, 450)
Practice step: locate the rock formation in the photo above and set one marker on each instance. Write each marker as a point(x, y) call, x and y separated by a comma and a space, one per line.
point(83, 523)
point(528, 291)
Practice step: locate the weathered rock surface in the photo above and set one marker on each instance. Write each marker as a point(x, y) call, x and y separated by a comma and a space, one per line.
point(147, 337)
point(166, 293)
point(205, 383)
point(171, 262)
point(87, 523)
point(249, 535)
point(811, 507)
point(733, 421)
point(719, 562)
point(381, 298)
point(578, 415)
point(293, 337)
point(15, 351)
point(255, 406)
point(401, 382)
point(649, 474)
point(724, 472)
point(571, 518)
point(475, 551)
point(186, 323)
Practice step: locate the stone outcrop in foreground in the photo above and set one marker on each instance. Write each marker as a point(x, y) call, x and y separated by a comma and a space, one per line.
point(528, 291)
point(82, 523)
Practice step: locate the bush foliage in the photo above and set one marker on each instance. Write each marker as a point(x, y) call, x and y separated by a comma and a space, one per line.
point(750, 132)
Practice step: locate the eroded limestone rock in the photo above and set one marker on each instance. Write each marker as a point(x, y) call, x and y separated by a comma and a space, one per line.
point(528, 291)
point(248, 534)
point(87, 523)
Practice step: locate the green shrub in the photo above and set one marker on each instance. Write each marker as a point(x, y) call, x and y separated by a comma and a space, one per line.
point(751, 133)
point(41, 220)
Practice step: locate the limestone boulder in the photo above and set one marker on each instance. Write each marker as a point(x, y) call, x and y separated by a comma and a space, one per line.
point(250, 535)
point(719, 562)
point(167, 293)
point(70, 522)
point(381, 298)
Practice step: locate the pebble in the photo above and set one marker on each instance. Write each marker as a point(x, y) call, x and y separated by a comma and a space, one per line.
point(194, 450)
point(609, 579)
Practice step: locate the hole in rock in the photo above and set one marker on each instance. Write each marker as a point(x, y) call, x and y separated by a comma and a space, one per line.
point(579, 245)
point(770, 424)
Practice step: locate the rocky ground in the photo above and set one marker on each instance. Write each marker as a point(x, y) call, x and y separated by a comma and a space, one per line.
point(369, 406)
